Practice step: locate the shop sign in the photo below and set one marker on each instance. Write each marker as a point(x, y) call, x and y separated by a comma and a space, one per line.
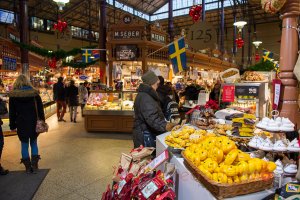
point(83, 77)
point(246, 90)
point(126, 52)
point(228, 93)
point(9, 63)
point(158, 38)
point(202, 35)
point(127, 34)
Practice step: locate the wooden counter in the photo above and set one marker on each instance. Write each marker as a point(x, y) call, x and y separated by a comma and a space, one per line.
point(108, 121)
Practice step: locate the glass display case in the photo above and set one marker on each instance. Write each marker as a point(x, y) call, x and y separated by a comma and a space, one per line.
point(109, 111)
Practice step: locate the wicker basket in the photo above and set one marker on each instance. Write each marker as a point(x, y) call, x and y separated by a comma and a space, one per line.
point(221, 191)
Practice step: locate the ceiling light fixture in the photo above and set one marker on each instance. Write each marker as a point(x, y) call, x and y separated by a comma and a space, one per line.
point(240, 25)
point(256, 43)
point(61, 3)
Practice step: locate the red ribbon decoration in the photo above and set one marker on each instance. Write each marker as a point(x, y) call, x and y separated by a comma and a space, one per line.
point(52, 63)
point(195, 12)
point(60, 25)
point(257, 57)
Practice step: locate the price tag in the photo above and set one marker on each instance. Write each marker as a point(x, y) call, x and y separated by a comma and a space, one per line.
point(246, 90)
point(149, 190)
point(202, 35)
point(276, 93)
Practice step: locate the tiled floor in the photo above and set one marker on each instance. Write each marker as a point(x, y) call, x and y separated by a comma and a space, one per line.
point(80, 163)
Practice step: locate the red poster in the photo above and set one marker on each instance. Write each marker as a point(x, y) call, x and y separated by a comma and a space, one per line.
point(228, 93)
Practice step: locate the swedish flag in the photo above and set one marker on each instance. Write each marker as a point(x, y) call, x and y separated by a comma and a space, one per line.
point(86, 56)
point(178, 55)
point(267, 55)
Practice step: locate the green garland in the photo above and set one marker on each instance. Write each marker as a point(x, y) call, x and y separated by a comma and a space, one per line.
point(79, 65)
point(59, 54)
point(262, 66)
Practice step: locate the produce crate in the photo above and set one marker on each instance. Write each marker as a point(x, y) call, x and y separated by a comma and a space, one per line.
point(221, 191)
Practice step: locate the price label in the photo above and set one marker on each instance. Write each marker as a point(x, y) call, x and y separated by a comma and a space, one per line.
point(202, 35)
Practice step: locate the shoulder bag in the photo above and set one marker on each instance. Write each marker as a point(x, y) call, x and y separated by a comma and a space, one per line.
point(41, 125)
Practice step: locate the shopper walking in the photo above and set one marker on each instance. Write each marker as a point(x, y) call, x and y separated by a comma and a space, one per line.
point(2, 170)
point(60, 98)
point(72, 98)
point(149, 119)
point(25, 106)
point(83, 95)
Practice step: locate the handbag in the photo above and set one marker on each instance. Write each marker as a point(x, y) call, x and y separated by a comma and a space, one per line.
point(41, 125)
point(3, 108)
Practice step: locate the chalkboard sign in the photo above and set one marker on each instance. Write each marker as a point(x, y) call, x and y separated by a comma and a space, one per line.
point(126, 52)
point(9, 63)
point(246, 91)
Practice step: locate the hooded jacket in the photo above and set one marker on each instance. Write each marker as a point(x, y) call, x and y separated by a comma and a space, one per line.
point(72, 95)
point(23, 113)
point(148, 115)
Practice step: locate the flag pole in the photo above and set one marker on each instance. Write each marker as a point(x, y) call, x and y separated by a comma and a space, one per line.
point(164, 46)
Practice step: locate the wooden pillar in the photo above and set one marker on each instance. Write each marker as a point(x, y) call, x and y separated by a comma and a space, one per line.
point(222, 27)
point(234, 29)
point(170, 21)
point(102, 39)
point(288, 57)
point(24, 35)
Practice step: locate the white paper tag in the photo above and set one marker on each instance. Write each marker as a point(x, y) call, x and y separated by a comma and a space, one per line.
point(121, 185)
point(149, 190)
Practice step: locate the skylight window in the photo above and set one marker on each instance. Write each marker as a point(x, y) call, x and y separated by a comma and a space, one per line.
point(6, 17)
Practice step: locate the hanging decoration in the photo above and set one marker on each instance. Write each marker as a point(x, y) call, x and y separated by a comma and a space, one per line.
point(52, 63)
point(77, 72)
point(257, 57)
point(56, 57)
point(239, 42)
point(60, 26)
point(195, 12)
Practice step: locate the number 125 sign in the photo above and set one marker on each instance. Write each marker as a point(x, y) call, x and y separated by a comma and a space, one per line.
point(202, 35)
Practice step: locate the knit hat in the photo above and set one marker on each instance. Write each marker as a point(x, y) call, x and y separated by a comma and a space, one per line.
point(149, 78)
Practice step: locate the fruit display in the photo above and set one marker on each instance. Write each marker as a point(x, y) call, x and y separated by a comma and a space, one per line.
point(220, 161)
point(243, 125)
point(184, 137)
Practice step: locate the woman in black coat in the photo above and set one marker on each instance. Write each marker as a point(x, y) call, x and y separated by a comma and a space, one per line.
point(72, 97)
point(25, 104)
point(149, 120)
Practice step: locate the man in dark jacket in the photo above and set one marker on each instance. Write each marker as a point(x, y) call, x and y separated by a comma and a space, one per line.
point(60, 98)
point(72, 96)
point(149, 119)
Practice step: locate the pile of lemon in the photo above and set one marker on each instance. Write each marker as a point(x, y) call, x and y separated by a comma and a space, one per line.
point(219, 160)
point(185, 137)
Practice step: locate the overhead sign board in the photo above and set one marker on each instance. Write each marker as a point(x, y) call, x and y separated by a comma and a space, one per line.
point(202, 35)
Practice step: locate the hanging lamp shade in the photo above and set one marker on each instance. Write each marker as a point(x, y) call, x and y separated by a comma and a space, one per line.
point(61, 3)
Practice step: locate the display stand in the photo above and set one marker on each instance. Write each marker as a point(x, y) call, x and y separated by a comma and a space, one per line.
point(188, 187)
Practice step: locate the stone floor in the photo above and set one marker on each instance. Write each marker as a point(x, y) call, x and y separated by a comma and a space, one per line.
point(80, 163)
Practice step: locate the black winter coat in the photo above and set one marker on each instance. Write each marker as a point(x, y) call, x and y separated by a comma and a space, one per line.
point(22, 112)
point(148, 115)
point(72, 95)
point(59, 91)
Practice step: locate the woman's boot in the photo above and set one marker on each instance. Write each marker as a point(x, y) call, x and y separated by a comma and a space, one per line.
point(27, 165)
point(34, 162)
point(3, 171)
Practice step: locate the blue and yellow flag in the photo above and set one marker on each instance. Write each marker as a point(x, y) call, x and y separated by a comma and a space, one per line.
point(267, 55)
point(86, 56)
point(178, 55)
